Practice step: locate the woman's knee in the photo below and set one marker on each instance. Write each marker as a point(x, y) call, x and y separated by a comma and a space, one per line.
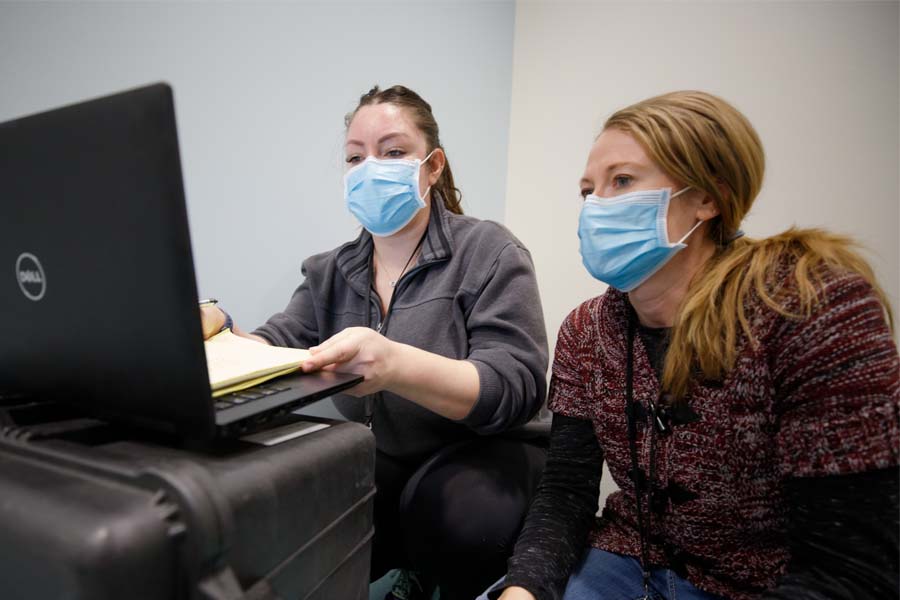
point(472, 498)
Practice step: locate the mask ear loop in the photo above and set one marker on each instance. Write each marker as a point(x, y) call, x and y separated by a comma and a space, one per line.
point(696, 225)
point(680, 192)
point(692, 230)
point(422, 162)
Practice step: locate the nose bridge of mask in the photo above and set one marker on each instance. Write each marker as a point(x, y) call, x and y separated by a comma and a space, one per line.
point(638, 197)
point(386, 163)
point(378, 169)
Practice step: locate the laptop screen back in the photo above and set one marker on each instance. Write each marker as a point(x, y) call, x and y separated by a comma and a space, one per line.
point(98, 300)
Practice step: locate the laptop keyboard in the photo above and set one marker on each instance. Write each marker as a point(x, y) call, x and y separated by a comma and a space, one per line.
point(248, 395)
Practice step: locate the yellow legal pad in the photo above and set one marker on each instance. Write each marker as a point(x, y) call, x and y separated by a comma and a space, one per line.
point(235, 363)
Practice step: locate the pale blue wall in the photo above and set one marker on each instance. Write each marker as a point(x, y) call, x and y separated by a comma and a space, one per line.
point(261, 92)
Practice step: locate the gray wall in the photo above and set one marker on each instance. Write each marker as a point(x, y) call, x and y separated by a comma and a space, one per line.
point(261, 91)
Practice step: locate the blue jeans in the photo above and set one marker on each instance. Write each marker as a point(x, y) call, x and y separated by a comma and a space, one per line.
point(603, 575)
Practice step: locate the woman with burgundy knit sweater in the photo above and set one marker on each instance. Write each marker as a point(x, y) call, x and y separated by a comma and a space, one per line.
point(743, 393)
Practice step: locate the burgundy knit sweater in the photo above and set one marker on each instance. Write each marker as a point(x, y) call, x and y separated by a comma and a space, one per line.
point(813, 397)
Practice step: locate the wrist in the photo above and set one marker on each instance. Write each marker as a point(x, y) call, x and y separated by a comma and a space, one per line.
point(393, 357)
point(397, 361)
point(227, 321)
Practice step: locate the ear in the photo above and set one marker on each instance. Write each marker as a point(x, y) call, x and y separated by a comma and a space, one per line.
point(436, 165)
point(708, 208)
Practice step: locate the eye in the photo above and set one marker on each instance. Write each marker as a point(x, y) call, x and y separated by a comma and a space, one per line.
point(395, 153)
point(353, 159)
point(585, 192)
point(620, 181)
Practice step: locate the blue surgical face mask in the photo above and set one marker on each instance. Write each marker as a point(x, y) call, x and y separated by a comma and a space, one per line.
point(624, 239)
point(384, 194)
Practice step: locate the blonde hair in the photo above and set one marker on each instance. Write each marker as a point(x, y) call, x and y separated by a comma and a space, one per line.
point(702, 141)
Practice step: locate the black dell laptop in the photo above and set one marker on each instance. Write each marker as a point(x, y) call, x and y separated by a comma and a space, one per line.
point(98, 299)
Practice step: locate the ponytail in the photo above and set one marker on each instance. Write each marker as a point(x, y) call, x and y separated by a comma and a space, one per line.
point(712, 317)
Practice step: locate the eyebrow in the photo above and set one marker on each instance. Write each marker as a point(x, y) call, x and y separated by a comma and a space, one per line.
point(624, 163)
point(381, 140)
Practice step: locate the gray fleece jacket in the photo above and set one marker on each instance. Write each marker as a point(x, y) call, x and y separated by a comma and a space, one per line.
point(471, 295)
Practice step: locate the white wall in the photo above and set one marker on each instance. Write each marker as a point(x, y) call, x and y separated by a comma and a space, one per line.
point(820, 81)
point(261, 91)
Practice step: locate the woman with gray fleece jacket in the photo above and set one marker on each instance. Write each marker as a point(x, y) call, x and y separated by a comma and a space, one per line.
point(440, 312)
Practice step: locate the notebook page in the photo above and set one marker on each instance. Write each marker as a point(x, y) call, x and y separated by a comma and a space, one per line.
point(231, 359)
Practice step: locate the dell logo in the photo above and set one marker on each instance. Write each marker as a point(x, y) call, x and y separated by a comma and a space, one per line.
point(30, 276)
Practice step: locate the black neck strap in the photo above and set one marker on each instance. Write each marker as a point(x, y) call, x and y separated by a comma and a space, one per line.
point(641, 484)
point(382, 328)
point(371, 399)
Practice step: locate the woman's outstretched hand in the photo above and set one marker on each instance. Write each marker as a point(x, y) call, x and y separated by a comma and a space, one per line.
point(446, 386)
point(357, 350)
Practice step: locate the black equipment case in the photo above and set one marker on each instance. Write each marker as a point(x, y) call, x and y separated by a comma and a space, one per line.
point(88, 511)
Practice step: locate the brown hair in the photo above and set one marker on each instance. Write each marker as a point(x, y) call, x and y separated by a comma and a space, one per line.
point(420, 110)
point(702, 141)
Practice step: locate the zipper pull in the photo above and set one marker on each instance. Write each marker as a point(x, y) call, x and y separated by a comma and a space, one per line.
point(660, 419)
point(370, 411)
